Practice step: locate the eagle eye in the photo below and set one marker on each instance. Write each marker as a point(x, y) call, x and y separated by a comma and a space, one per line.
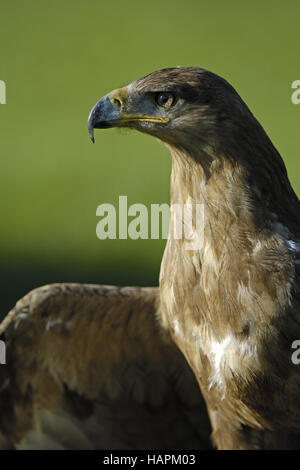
point(165, 100)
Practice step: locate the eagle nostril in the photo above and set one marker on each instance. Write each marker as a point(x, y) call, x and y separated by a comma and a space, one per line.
point(117, 103)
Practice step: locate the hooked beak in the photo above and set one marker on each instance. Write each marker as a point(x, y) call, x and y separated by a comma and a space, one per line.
point(103, 116)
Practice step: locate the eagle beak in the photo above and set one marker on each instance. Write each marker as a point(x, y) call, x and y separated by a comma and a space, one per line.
point(103, 116)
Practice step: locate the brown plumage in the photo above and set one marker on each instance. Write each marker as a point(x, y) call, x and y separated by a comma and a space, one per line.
point(89, 367)
point(231, 307)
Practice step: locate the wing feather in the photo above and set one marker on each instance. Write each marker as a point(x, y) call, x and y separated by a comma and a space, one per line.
point(88, 367)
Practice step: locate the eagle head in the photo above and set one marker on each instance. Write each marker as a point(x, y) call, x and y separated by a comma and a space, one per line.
point(202, 119)
point(183, 107)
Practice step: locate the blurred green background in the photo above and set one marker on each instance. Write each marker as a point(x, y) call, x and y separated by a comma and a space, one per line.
point(57, 59)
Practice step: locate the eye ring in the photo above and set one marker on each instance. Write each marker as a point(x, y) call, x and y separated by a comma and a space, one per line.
point(165, 99)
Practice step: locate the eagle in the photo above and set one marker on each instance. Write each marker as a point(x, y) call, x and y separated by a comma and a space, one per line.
point(225, 315)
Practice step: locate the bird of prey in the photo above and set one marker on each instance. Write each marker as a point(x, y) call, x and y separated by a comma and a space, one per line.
point(233, 306)
point(99, 366)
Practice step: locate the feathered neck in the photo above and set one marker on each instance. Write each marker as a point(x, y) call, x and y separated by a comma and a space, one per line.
point(246, 237)
point(237, 179)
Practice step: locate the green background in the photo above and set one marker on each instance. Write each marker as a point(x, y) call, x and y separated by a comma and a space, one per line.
point(57, 59)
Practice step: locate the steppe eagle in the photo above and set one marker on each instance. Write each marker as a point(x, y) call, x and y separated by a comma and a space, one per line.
point(231, 308)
